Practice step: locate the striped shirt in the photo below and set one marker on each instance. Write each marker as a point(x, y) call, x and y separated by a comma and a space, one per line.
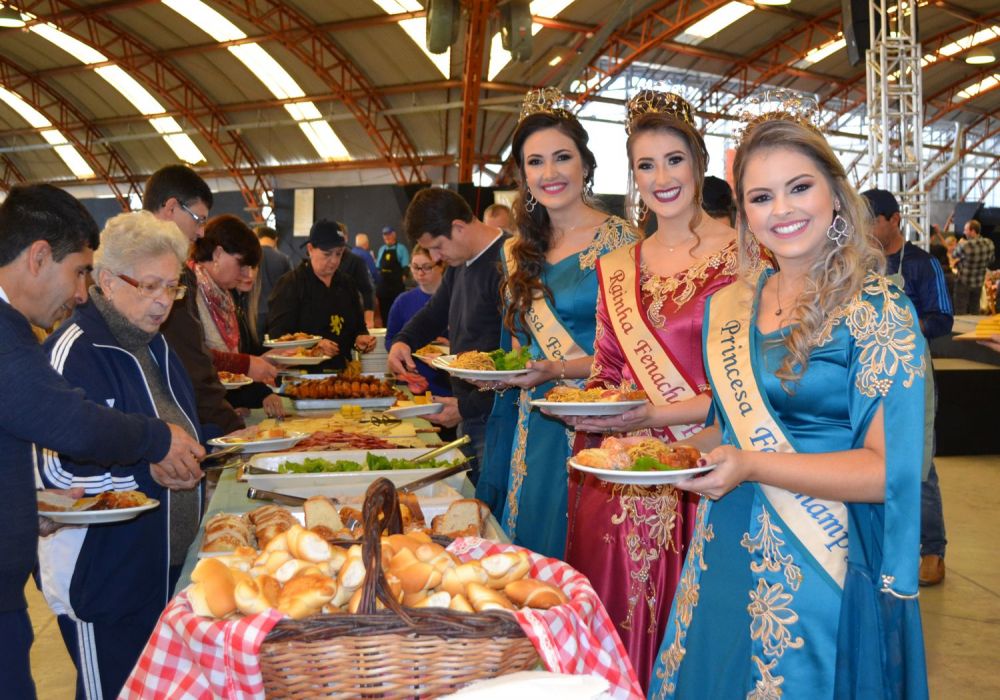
point(973, 255)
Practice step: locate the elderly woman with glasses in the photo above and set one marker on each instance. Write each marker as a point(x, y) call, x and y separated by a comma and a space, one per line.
point(108, 583)
point(222, 259)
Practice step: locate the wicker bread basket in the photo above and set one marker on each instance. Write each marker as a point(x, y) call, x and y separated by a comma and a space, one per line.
point(393, 652)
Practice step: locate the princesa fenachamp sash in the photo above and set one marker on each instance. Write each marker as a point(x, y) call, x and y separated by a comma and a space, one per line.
point(821, 526)
point(652, 364)
point(548, 331)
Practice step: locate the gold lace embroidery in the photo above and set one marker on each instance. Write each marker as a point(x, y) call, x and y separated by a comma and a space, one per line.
point(685, 600)
point(661, 517)
point(518, 464)
point(768, 686)
point(771, 617)
point(887, 340)
point(769, 544)
point(614, 233)
point(679, 289)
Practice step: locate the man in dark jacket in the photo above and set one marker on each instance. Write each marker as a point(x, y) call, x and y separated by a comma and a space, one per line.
point(47, 243)
point(177, 193)
point(273, 265)
point(314, 298)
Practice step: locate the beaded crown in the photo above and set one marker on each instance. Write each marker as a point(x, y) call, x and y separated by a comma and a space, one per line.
point(655, 102)
point(548, 100)
point(777, 105)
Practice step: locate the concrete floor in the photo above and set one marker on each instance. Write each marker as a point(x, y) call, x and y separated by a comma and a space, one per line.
point(961, 616)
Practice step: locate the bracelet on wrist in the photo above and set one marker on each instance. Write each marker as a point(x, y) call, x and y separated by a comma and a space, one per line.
point(562, 374)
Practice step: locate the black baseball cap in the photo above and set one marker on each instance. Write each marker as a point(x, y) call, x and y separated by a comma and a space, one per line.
point(326, 235)
point(881, 202)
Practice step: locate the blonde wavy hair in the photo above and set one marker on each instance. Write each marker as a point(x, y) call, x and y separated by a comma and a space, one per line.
point(839, 271)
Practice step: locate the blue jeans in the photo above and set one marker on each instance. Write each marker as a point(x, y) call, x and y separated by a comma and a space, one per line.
point(475, 428)
point(932, 535)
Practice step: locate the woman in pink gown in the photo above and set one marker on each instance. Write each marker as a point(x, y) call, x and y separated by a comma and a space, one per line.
point(631, 540)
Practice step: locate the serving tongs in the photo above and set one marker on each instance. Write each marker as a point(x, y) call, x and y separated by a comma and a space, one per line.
point(220, 454)
point(441, 449)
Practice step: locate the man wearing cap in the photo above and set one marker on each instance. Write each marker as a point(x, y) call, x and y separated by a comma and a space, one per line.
point(920, 276)
point(312, 298)
point(393, 259)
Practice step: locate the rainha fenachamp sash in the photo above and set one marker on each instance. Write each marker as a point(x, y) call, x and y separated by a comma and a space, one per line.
point(652, 364)
point(819, 525)
point(548, 331)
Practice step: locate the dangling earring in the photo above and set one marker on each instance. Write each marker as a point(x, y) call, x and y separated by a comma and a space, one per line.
point(530, 202)
point(642, 210)
point(840, 229)
point(588, 191)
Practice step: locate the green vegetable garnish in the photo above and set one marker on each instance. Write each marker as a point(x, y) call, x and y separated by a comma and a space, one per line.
point(515, 359)
point(373, 462)
point(649, 464)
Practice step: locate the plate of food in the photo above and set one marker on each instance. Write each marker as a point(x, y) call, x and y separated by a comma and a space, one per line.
point(570, 401)
point(412, 409)
point(431, 352)
point(107, 507)
point(292, 340)
point(255, 440)
point(297, 356)
point(645, 463)
point(485, 366)
point(233, 380)
point(334, 391)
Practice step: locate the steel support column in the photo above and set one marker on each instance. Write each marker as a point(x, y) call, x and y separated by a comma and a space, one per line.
point(10, 175)
point(475, 49)
point(896, 113)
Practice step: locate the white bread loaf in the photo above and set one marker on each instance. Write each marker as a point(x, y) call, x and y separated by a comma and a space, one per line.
point(532, 593)
point(322, 517)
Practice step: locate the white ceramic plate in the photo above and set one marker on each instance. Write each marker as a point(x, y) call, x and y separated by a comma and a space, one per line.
point(444, 362)
point(292, 360)
point(304, 343)
point(586, 408)
point(237, 384)
point(95, 517)
point(320, 404)
point(420, 409)
point(621, 476)
point(263, 445)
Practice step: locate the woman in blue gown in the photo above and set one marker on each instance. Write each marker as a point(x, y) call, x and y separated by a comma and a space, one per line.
point(550, 294)
point(801, 576)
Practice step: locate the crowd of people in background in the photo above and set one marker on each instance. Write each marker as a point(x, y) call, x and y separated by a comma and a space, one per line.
point(742, 312)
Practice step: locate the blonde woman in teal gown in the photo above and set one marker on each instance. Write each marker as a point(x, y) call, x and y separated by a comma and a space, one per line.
point(801, 575)
point(550, 294)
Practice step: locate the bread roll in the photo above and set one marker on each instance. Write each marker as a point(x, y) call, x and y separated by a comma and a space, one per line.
point(532, 593)
point(307, 545)
point(483, 598)
point(211, 592)
point(254, 596)
point(306, 595)
point(505, 567)
point(455, 580)
point(418, 576)
point(461, 604)
point(438, 599)
point(321, 513)
point(292, 568)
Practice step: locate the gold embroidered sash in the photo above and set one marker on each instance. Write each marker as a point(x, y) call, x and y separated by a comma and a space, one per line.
point(652, 364)
point(548, 331)
point(821, 526)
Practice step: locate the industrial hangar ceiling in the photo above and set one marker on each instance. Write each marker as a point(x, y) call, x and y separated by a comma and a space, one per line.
point(259, 94)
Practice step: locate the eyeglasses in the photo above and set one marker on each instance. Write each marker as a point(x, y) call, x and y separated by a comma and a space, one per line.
point(422, 268)
point(151, 290)
point(200, 220)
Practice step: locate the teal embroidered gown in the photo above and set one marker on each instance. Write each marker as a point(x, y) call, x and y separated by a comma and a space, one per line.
point(754, 616)
point(527, 450)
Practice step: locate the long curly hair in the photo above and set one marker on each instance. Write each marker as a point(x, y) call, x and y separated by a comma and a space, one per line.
point(535, 227)
point(659, 122)
point(839, 271)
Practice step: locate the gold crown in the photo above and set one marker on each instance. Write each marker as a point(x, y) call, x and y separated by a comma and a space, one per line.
point(549, 100)
point(655, 102)
point(777, 105)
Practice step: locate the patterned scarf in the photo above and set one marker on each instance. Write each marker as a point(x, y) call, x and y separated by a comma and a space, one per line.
point(220, 306)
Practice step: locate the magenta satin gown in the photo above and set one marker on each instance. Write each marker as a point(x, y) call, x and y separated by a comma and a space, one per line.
point(630, 541)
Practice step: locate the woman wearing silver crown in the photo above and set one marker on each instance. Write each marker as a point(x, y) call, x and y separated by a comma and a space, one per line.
point(630, 540)
point(801, 576)
point(549, 294)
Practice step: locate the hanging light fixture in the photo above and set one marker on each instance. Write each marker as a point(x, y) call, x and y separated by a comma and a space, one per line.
point(9, 17)
point(980, 56)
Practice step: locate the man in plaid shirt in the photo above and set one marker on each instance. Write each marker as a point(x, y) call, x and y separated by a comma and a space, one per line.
point(974, 254)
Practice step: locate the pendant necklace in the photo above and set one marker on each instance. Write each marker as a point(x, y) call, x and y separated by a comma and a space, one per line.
point(777, 292)
point(670, 249)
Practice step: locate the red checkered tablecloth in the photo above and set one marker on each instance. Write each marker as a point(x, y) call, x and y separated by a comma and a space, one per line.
point(194, 657)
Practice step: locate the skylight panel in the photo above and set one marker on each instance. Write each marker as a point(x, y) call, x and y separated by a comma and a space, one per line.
point(548, 8)
point(967, 42)
point(140, 98)
point(820, 52)
point(714, 23)
point(269, 72)
point(983, 85)
point(69, 155)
